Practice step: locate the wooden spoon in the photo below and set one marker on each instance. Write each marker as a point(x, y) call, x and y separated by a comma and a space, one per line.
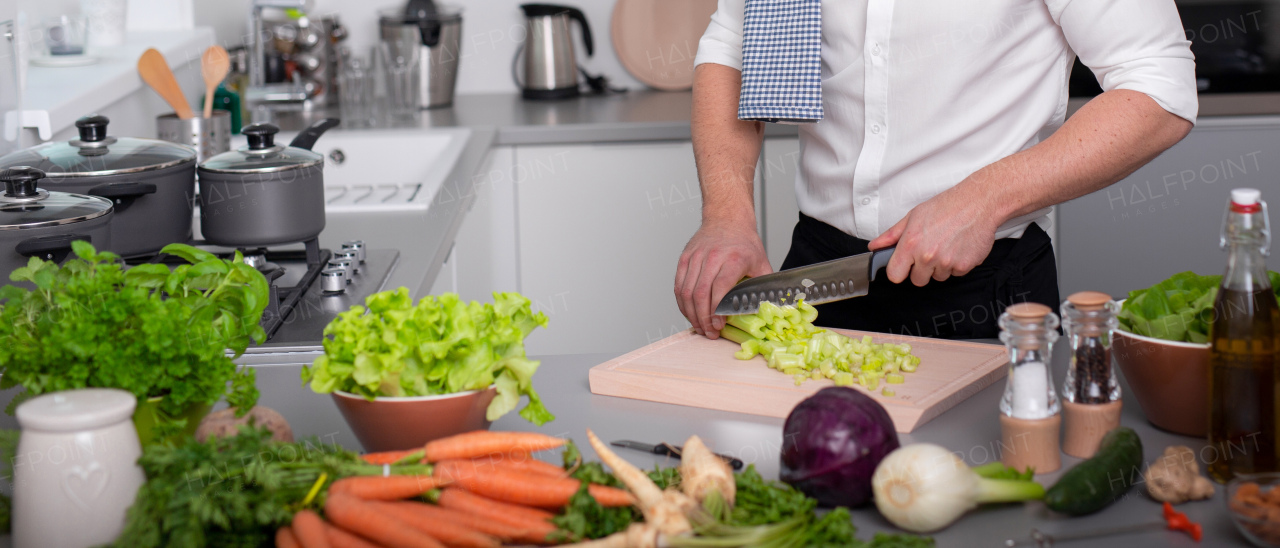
point(214, 66)
point(154, 70)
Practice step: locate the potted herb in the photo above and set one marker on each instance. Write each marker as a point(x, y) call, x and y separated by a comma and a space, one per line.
point(161, 334)
point(404, 374)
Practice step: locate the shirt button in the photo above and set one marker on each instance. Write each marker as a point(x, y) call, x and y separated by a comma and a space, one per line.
point(875, 128)
point(866, 201)
point(875, 49)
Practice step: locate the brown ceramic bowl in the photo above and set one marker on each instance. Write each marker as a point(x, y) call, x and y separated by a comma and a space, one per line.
point(390, 424)
point(1169, 379)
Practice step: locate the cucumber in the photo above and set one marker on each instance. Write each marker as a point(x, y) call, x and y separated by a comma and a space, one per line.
point(1097, 482)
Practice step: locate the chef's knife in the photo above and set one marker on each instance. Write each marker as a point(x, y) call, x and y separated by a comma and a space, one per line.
point(669, 450)
point(816, 284)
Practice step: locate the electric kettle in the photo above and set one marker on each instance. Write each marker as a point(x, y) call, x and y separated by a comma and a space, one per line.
point(550, 67)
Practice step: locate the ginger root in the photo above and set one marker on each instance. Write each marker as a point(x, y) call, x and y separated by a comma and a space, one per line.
point(1175, 477)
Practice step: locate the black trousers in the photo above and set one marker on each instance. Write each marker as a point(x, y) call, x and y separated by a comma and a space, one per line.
point(962, 307)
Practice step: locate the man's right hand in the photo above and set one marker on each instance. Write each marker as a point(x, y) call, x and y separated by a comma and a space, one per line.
point(714, 260)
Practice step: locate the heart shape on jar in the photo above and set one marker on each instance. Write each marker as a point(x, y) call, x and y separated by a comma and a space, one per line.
point(84, 484)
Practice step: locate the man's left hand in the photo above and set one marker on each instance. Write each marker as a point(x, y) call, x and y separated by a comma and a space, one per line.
point(948, 235)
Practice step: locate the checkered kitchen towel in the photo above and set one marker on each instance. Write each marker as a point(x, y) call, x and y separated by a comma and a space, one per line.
point(782, 61)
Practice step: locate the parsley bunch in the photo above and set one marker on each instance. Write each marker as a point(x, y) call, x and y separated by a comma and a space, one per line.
point(147, 330)
point(235, 491)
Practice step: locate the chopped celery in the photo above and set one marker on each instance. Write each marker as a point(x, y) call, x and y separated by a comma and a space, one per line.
point(888, 392)
point(789, 342)
point(749, 323)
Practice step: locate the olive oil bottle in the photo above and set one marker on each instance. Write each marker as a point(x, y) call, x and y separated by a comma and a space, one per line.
point(1244, 348)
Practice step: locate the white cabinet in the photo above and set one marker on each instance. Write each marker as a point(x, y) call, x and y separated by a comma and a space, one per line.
point(779, 162)
point(600, 230)
point(483, 259)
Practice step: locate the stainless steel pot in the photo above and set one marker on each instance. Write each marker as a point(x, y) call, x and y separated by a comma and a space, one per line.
point(264, 193)
point(35, 222)
point(151, 182)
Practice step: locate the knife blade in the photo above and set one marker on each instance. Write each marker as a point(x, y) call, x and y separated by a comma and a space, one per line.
point(669, 450)
point(825, 282)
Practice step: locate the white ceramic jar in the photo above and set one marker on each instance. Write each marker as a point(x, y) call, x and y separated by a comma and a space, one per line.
point(76, 471)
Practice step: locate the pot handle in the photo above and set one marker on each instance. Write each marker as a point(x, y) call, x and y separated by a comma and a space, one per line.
point(122, 190)
point(307, 137)
point(50, 248)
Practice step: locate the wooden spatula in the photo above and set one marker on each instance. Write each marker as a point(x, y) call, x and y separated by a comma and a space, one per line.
point(214, 66)
point(154, 70)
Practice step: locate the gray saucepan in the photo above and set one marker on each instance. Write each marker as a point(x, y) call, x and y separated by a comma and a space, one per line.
point(35, 222)
point(263, 193)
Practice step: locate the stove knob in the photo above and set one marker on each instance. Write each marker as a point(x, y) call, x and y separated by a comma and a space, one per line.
point(356, 246)
point(333, 280)
point(350, 256)
point(345, 265)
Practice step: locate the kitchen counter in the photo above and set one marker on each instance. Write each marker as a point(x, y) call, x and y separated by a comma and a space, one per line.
point(650, 115)
point(971, 428)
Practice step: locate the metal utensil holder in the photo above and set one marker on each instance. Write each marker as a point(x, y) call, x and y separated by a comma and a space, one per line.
point(209, 136)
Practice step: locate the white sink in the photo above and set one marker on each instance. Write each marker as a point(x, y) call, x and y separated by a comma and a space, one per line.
point(385, 170)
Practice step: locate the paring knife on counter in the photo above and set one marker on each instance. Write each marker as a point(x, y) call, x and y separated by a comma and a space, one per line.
point(835, 280)
point(669, 450)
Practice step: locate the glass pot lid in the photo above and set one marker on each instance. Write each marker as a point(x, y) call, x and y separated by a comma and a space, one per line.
point(24, 206)
point(95, 154)
point(262, 154)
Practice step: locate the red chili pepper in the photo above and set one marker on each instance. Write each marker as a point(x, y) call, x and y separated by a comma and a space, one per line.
point(1179, 521)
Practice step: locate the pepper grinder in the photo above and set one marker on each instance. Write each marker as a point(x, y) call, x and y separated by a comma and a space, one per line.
point(1029, 419)
point(1092, 393)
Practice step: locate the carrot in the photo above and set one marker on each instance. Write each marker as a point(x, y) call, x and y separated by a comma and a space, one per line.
point(524, 489)
point(521, 462)
point(385, 487)
point(340, 538)
point(286, 539)
point(451, 533)
point(525, 532)
point(309, 529)
point(391, 457)
point(484, 443)
point(524, 513)
point(361, 518)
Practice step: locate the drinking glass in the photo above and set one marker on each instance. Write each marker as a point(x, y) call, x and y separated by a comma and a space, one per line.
point(355, 93)
point(66, 35)
point(401, 69)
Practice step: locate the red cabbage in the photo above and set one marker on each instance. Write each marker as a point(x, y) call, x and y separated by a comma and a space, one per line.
point(832, 443)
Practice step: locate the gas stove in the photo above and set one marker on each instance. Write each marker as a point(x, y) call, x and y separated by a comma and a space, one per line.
point(309, 288)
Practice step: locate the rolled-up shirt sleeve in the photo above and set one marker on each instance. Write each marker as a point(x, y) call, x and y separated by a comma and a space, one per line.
point(722, 42)
point(1137, 45)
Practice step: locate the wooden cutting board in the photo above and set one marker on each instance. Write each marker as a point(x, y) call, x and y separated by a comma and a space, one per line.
point(656, 40)
point(689, 369)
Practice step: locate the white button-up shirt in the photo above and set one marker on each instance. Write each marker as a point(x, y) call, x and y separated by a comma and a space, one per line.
point(918, 94)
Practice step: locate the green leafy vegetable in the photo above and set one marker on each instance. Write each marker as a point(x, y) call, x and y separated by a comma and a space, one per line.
point(442, 345)
point(1177, 309)
point(147, 330)
point(234, 491)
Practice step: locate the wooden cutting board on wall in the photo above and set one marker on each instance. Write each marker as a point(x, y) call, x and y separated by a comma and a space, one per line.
point(689, 369)
point(656, 40)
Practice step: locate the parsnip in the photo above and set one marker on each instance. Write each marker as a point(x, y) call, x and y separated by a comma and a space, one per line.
point(665, 512)
point(702, 472)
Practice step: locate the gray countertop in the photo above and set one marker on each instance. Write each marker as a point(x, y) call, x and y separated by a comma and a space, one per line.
point(971, 428)
point(650, 115)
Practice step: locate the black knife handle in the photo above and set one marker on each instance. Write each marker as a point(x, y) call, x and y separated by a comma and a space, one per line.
point(675, 450)
point(879, 259)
